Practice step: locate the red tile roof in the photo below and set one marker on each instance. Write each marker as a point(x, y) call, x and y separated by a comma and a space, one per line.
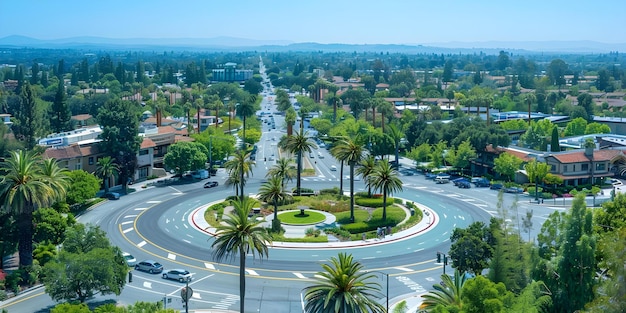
point(81, 117)
point(579, 156)
point(147, 143)
point(63, 153)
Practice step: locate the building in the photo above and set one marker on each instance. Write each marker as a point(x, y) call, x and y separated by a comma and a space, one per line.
point(230, 73)
point(6, 119)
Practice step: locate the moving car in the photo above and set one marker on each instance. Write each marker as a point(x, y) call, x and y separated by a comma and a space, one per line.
point(496, 186)
point(149, 266)
point(211, 184)
point(333, 168)
point(129, 258)
point(111, 195)
point(177, 274)
point(513, 190)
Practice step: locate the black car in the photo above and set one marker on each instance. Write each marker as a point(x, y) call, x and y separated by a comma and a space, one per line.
point(496, 186)
point(430, 176)
point(111, 196)
point(464, 184)
point(211, 184)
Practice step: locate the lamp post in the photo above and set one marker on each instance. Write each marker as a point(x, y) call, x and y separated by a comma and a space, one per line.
point(387, 288)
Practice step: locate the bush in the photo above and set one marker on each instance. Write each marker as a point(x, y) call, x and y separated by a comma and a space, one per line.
point(373, 202)
point(359, 216)
point(313, 232)
point(338, 232)
point(394, 214)
point(361, 194)
point(331, 191)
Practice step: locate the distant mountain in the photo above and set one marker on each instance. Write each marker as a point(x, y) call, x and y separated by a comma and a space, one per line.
point(238, 44)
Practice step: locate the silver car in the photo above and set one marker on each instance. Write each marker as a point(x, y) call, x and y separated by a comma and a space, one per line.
point(130, 259)
point(149, 266)
point(177, 274)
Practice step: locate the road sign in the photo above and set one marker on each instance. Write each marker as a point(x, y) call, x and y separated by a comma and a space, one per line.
point(186, 293)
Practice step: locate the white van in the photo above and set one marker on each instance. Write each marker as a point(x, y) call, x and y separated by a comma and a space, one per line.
point(442, 180)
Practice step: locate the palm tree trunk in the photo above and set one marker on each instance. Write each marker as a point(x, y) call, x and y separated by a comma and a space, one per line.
point(243, 141)
point(242, 181)
point(382, 122)
point(198, 120)
point(25, 241)
point(341, 179)
point(351, 192)
point(374, 116)
point(299, 170)
point(242, 278)
point(384, 205)
point(217, 112)
point(335, 111)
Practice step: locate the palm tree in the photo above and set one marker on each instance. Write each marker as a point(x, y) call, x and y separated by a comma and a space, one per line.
point(273, 192)
point(386, 110)
point(25, 187)
point(299, 144)
point(283, 169)
point(365, 169)
point(447, 294)
point(343, 287)
point(529, 99)
point(234, 179)
point(348, 150)
point(241, 165)
point(106, 169)
point(238, 235)
point(231, 108)
point(245, 109)
point(385, 179)
point(217, 105)
point(396, 135)
point(56, 177)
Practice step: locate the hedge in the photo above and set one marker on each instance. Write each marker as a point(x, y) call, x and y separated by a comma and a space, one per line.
point(359, 216)
point(373, 202)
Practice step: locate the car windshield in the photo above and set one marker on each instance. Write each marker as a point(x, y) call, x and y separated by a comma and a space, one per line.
point(129, 257)
point(157, 264)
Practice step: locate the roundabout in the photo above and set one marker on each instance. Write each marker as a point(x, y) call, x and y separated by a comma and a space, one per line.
point(167, 224)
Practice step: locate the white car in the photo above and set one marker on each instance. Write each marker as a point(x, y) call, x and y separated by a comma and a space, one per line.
point(177, 274)
point(333, 168)
point(129, 258)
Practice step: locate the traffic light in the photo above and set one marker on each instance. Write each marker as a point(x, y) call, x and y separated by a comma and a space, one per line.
point(438, 257)
point(445, 260)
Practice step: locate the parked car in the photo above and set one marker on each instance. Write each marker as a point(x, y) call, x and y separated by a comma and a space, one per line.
point(149, 266)
point(496, 186)
point(482, 182)
point(129, 258)
point(211, 184)
point(513, 190)
point(111, 195)
point(458, 181)
point(464, 184)
point(430, 175)
point(441, 180)
point(177, 274)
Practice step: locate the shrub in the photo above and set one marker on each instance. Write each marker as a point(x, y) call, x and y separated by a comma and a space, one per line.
point(395, 215)
point(331, 191)
point(359, 216)
point(361, 194)
point(397, 201)
point(373, 202)
point(312, 231)
point(338, 232)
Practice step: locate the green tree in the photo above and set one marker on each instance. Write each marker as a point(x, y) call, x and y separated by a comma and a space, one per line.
point(28, 118)
point(348, 150)
point(536, 172)
point(239, 236)
point(597, 128)
point(585, 101)
point(246, 109)
point(25, 188)
point(240, 165)
point(186, 156)
point(299, 144)
point(576, 127)
point(480, 295)
point(273, 192)
point(61, 117)
point(51, 225)
point(555, 146)
point(610, 295)
point(70, 308)
point(284, 169)
point(556, 72)
point(396, 135)
point(83, 186)
point(464, 154)
point(120, 127)
point(507, 164)
point(106, 169)
point(343, 287)
point(448, 294)
point(385, 179)
point(471, 250)
point(87, 265)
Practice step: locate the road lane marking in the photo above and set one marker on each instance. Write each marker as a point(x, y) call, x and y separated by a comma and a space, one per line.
point(404, 269)
point(140, 209)
point(147, 284)
point(127, 230)
point(130, 216)
point(153, 201)
point(299, 275)
point(209, 266)
point(127, 222)
point(252, 272)
point(171, 256)
point(141, 244)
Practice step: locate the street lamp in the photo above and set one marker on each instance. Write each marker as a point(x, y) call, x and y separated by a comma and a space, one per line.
point(387, 287)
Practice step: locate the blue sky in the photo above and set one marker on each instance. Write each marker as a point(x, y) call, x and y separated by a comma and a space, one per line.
point(322, 21)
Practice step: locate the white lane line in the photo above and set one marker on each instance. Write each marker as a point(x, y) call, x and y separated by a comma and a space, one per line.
point(127, 230)
point(127, 222)
point(171, 256)
point(187, 241)
point(403, 269)
point(299, 275)
point(178, 191)
point(209, 266)
point(140, 209)
point(196, 295)
point(430, 279)
point(153, 201)
point(130, 216)
point(252, 272)
point(147, 284)
point(141, 244)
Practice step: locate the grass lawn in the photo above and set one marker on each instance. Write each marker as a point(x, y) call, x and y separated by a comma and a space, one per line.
point(294, 217)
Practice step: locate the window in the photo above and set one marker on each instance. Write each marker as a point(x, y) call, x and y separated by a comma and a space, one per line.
point(564, 168)
point(143, 152)
point(90, 160)
point(584, 167)
point(600, 166)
